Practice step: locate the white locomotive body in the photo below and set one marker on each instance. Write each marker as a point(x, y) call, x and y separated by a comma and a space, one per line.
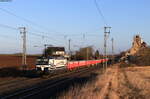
point(50, 63)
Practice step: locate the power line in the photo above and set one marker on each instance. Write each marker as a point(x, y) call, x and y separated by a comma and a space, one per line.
point(32, 23)
point(6, 36)
point(35, 34)
point(40, 35)
point(44, 36)
point(9, 27)
point(100, 12)
point(19, 17)
point(26, 20)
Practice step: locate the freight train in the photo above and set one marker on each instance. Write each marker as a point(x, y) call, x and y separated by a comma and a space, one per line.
point(55, 63)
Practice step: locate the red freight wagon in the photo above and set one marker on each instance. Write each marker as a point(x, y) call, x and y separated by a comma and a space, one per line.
point(75, 64)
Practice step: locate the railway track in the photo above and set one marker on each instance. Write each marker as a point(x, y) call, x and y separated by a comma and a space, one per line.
point(16, 84)
point(11, 81)
point(43, 86)
point(20, 83)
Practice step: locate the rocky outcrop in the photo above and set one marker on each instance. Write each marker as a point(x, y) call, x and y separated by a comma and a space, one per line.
point(137, 44)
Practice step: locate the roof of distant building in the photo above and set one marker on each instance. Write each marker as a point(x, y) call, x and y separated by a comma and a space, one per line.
point(57, 48)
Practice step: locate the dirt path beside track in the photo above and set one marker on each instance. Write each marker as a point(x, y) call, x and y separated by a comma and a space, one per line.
point(115, 83)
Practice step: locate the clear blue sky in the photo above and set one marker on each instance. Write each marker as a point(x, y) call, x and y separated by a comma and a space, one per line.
point(70, 19)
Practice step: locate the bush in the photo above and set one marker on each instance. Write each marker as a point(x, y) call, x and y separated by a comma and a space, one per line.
point(142, 57)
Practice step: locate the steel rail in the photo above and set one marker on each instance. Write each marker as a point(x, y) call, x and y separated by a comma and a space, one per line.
point(48, 84)
point(51, 86)
point(14, 83)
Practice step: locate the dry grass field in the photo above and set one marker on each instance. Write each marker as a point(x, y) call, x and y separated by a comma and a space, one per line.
point(115, 83)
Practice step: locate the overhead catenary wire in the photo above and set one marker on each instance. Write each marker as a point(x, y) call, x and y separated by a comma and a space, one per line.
point(11, 42)
point(39, 34)
point(31, 23)
point(10, 27)
point(6, 37)
point(20, 17)
point(100, 12)
point(26, 20)
point(35, 34)
point(106, 33)
point(45, 36)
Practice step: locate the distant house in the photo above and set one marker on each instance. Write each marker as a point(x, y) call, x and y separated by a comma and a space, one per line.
point(56, 50)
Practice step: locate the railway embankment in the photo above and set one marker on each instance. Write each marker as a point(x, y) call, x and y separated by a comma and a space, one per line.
point(19, 84)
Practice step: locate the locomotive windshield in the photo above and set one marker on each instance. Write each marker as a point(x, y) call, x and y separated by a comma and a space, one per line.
point(42, 61)
point(45, 60)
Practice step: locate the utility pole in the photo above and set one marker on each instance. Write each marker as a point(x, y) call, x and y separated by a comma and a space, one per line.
point(69, 49)
point(106, 34)
point(45, 49)
point(24, 57)
point(112, 50)
point(87, 52)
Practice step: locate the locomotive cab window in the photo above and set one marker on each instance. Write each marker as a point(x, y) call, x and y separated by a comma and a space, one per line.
point(42, 61)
